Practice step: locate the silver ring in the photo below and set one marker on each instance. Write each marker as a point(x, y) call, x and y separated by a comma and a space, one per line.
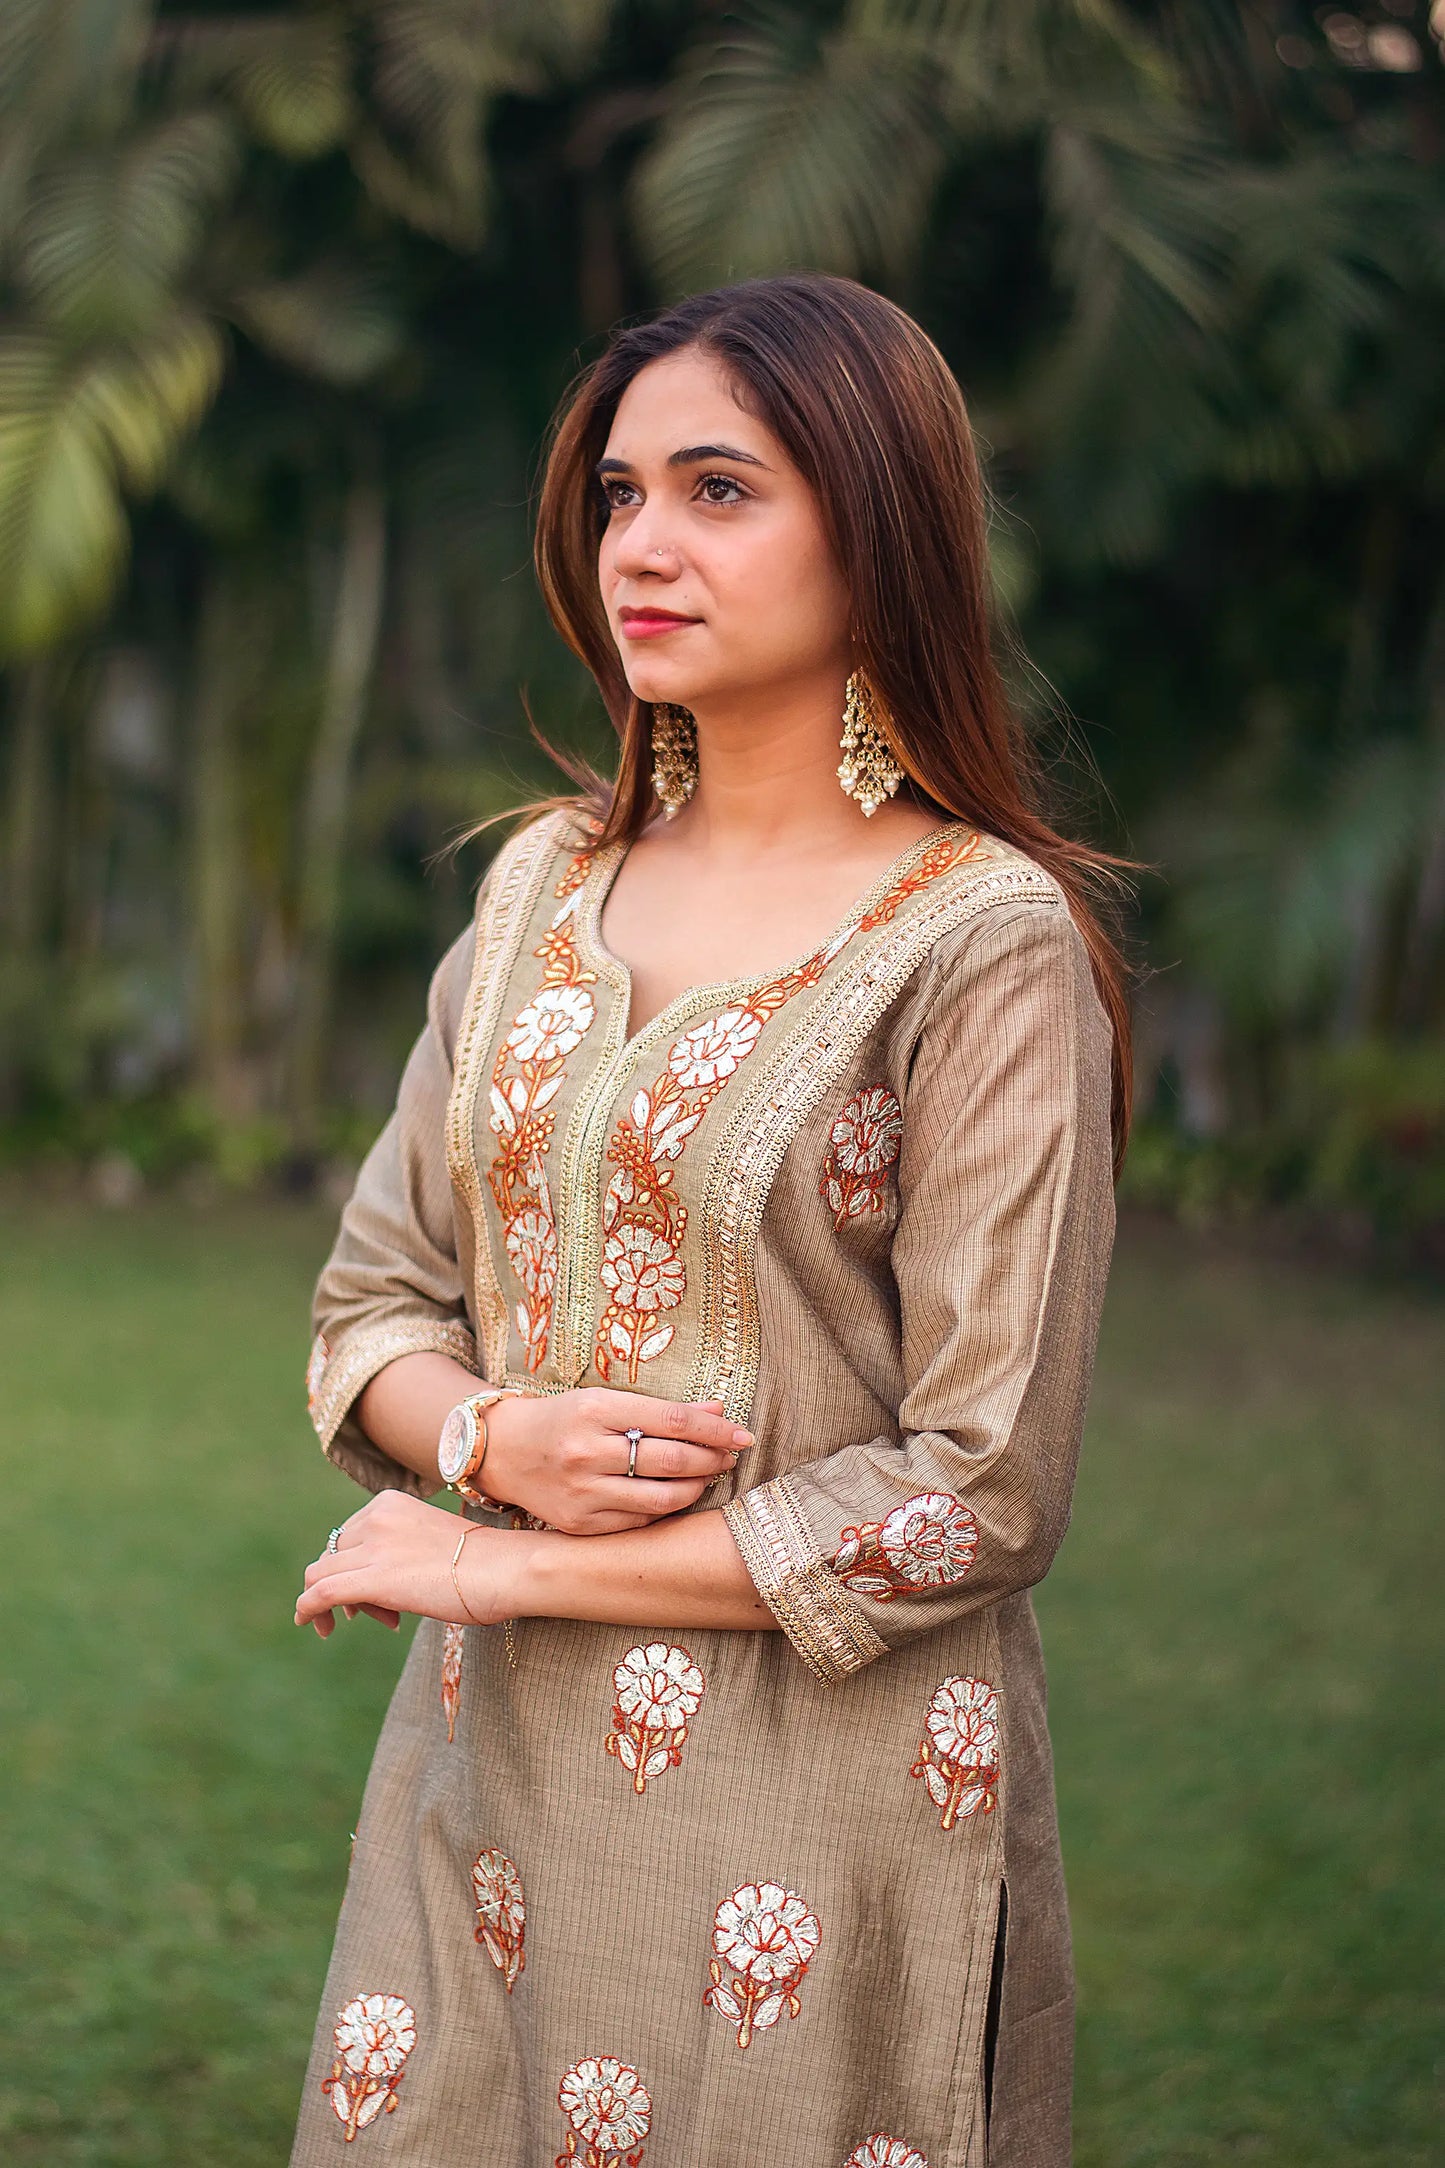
point(634, 1439)
point(333, 1541)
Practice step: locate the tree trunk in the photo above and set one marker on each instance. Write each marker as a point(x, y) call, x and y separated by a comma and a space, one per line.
point(350, 665)
point(216, 872)
point(29, 810)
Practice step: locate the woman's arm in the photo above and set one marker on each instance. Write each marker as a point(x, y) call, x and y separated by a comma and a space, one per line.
point(397, 1554)
point(560, 1456)
point(677, 1573)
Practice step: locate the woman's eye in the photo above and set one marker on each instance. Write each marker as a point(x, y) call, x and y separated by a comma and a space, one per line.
point(711, 482)
point(610, 493)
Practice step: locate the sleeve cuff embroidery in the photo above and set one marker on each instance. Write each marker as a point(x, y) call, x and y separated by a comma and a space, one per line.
point(333, 1380)
point(826, 1625)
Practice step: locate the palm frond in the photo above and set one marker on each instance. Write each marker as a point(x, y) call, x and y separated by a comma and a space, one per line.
point(73, 435)
point(338, 322)
point(787, 148)
point(106, 234)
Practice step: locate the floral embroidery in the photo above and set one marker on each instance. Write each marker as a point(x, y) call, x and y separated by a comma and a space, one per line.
point(374, 2035)
point(579, 865)
point(526, 1077)
point(863, 1144)
point(316, 1363)
point(609, 2109)
point(958, 1755)
point(501, 1913)
point(454, 1642)
point(881, 2151)
point(766, 1938)
point(951, 850)
point(642, 1222)
point(659, 1690)
point(926, 1542)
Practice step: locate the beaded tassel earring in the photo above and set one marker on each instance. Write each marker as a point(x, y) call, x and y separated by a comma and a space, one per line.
point(674, 756)
point(868, 770)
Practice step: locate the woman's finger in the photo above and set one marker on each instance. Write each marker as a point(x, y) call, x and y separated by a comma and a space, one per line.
point(670, 1460)
point(688, 1419)
point(633, 1496)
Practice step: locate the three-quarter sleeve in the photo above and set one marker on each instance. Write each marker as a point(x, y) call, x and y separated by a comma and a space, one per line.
point(1000, 1256)
point(392, 1284)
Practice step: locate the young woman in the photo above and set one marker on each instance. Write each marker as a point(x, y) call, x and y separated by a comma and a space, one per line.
point(757, 1155)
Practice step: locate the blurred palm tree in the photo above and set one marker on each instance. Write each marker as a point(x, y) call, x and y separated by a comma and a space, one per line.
point(316, 272)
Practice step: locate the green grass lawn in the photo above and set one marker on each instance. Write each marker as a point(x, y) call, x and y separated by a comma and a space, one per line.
point(1242, 1643)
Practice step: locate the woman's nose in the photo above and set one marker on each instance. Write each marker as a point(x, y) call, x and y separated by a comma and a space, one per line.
point(644, 546)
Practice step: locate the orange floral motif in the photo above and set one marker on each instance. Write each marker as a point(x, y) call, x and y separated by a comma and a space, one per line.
point(958, 1754)
point(927, 1542)
point(881, 2151)
point(765, 1939)
point(863, 1144)
point(940, 857)
point(501, 1913)
point(374, 2035)
point(659, 1690)
point(316, 1363)
point(609, 2113)
point(454, 1642)
point(642, 1222)
point(526, 1077)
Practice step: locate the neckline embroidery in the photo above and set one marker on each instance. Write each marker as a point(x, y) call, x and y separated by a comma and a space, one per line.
point(595, 872)
point(642, 1270)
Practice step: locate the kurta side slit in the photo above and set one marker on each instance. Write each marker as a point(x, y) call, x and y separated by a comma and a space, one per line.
point(706, 1899)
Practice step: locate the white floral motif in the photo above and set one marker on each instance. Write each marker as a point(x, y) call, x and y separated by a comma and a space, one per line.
point(454, 1642)
point(927, 1542)
point(713, 1049)
point(553, 1022)
point(863, 1143)
point(881, 2151)
point(374, 2034)
point(609, 2110)
point(531, 1240)
point(959, 1756)
point(766, 1938)
point(640, 1268)
point(316, 1363)
point(658, 1691)
point(501, 1912)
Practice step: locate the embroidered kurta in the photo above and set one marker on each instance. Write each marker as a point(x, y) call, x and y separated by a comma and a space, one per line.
point(716, 1899)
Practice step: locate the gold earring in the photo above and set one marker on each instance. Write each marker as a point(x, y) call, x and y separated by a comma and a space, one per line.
point(868, 770)
point(674, 755)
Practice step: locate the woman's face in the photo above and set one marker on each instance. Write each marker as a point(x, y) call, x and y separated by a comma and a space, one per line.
point(714, 568)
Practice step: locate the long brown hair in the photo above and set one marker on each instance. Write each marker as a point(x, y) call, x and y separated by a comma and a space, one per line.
point(873, 418)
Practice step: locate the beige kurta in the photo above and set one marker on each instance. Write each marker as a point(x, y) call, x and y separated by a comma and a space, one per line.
point(708, 1899)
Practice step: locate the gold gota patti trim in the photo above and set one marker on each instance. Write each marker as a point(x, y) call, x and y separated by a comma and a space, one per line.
point(817, 1050)
point(368, 1349)
point(518, 875)
point(828, 1627)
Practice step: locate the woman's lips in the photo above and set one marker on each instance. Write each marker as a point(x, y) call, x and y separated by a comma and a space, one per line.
point(647, 624)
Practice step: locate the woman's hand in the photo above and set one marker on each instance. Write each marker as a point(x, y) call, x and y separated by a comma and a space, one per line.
point(563, 1456)
point(395, 1555)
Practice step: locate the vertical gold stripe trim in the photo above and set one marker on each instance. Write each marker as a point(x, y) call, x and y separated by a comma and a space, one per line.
point(517, 879)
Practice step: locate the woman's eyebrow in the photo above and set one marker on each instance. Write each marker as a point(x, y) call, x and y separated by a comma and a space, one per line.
point(693, 452)
point(688, 456)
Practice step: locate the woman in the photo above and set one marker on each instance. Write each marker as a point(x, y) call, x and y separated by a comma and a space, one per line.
point(758, 1145)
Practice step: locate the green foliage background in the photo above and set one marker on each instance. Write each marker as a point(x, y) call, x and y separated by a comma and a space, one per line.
point(1242, 1699)
point(287, 294)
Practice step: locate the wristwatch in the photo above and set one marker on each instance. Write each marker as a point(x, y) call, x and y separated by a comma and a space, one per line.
point(462, 1446)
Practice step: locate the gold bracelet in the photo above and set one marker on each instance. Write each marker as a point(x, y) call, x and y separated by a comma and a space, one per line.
point(470, 1530)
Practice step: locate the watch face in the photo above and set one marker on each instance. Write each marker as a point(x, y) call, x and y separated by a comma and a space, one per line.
point(454, 1447)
